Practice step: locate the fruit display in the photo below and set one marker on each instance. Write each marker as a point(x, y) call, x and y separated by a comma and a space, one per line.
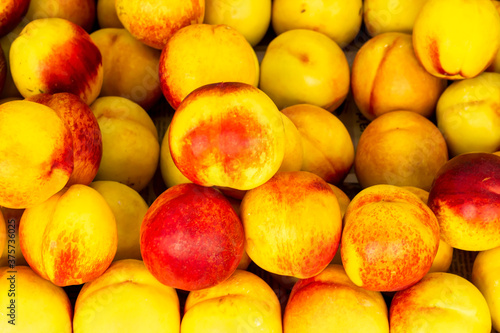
point(270, 166)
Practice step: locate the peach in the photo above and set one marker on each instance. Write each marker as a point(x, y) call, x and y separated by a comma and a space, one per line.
point(202, 54)
point(70, 238)
point(123, 298)
point(464, 197)
point(130, 147)
point(37, 153)
point(153, 22)
point(440, 302)
point(387, 76)
point(342, 198)
point(129, 209)
point(11, 14)
point(400, 148)
point(12, 255)
point(85, 132)
point(467, 115)
point(44, 69)
point(242, 303)
point(460, 44)
point(106, 14)
point(32, 304)
point(292, 224)
point(294, 152)
point(390, 238)
point(80, 12)
point(297, 69)
point(339, 20)
point(191, 237)
point(328, 148)
point(331, 300)
point(227, 134)
point(130, 67)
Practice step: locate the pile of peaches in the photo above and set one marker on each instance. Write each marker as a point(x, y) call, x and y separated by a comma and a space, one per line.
point(256, 159)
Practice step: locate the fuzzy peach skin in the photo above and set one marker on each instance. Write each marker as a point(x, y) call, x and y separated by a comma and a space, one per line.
point(486, 277)
point(294, 152)
point(292, 224)
point(229, 135)
point(390, 238)
point(242, 303)
point(12, 218)
point(106, 14)
point(130, 67)
point(11, 14)
point(202, 54)
point(37, 154)
point(464, 197)
point(467, 114)
point(80, 12)
point(440, 303)
point(460, 44)
point(328, 148)
point(387, 76)
point(153, 22)
point(400, 148)
point(32, 304)
point(126, 298)
point(297, 69)
point(45, 69)
point(85, 132)
point(330, 300)
point(70, 238)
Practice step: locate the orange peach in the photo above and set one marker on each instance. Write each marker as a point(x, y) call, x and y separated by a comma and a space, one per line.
point(11, 14)
point(80, 12)
point(106, 14)
point(328, 148)
point(390, 238)
point(229, 135)
point(70, 238)
point(292, 224)
point(387, 76)
point(400, 148)
point(37, 153)
point(331, 300)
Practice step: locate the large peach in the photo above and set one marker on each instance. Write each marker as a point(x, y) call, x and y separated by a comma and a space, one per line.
point(11, 14)
point(331, 300)
point(45, 69)
point(292, 224)
point(37, 154)
point(202, 54)
point(153, 22)
point(229, 135)
point(80, 12)
point(465, 200)
point(327, 145)
point(440, 303)
point(400, 148)
point(87, 140)
point(460, 44)
point(387, 76)
point(390, 238)
point(70, 238)
point(123, 298)
point(191, 237)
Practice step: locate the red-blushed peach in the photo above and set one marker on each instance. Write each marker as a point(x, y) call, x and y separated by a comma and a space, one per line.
point(123, 299)
point(32, 304)
point(191, 237)
point(202, 54)
point(400, 148)
point(242, 303)
point(387, 76)
point(294, 153)
point(11, 14)
point(12, 218)
point(465, 198)
point(390, 238)
point(70, 238)
point(130, 67)
point(292, 224)
point(153, 22)
point(460, 44)
point(37, 154)
point(80, 12)
point(227, 134)
point(45, 69)
point(87, 140)
point(327, 145)
point(330, 300)
point(106, 14)
point(440, 303)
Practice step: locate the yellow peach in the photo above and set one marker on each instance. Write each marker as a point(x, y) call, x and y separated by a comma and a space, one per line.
point(169, 171)
point(81, 12)
point(294, 153)
point(106, 14)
